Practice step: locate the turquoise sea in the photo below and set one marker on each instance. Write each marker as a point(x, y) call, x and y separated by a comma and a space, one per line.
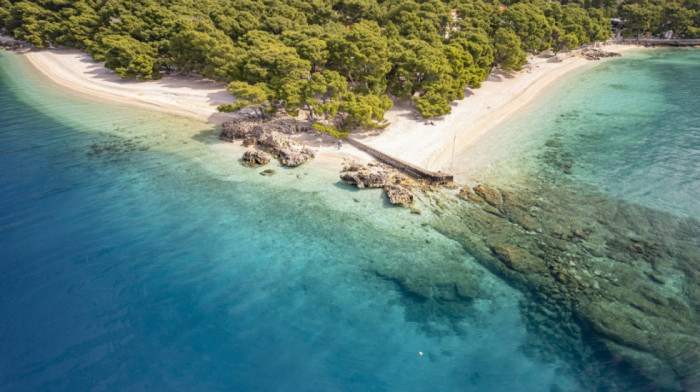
point(136, 253)
point(630, 127)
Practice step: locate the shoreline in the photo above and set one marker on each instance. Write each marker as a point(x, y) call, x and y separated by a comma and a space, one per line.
point(500, 98)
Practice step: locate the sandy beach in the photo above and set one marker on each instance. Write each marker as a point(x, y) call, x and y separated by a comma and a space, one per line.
point(407, 137)
point(193, 97)
point(500, 97)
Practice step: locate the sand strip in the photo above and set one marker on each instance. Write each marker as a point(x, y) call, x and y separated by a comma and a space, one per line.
point(500, 97)
point(407, 138)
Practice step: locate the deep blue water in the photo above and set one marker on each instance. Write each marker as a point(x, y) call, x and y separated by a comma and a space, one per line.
point(126, 263)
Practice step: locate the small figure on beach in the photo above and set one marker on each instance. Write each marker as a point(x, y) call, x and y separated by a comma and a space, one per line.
point(432, 123)
point(340, 144)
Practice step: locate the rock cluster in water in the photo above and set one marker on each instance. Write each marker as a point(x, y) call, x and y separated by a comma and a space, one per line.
point(597, 54)
point(396, 185)
point(603, 278)
point(271, 136)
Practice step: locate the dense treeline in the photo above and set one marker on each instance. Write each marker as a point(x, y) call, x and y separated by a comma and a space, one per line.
point(658, 16)
point(334, 59)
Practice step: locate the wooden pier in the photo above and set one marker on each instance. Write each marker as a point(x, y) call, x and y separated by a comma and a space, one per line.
point(405, 167)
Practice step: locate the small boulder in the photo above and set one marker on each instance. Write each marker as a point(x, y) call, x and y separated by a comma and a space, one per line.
point(255, 158)
point(398, 195)
point(366, 178)
point(293, 157)
point(274, 140)
point(232, 130)
point(352, 166)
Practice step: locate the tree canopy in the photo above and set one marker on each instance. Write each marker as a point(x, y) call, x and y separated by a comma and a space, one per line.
point(339, 61)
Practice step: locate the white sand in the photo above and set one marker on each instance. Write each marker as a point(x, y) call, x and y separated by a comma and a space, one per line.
point(407, 138)
point(193, 97)
point(499, 98)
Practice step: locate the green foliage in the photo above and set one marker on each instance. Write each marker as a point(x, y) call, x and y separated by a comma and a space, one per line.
point(30, 22)
point(227, 108)
point(128, 57)
point(432, 104)
point(361, 54)
point(140, 67)
point(255, 96)
point(657, 17)
point(5, 6)
point(507, 52)
point(335, 60)
point(530, 25)
point(365, 110)
point(331, 130)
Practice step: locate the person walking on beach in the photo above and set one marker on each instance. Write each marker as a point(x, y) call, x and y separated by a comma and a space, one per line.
point(340, 144)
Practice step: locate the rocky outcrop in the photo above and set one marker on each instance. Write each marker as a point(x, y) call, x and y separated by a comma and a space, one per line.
point(398, 195)
point(491, 195)
point(296, 155)
point(597, 54)
point(593, 270)
point(436, 293)
point(410, 169)
point(396, 185)
point(12, 44)
point(365, 177)
point(255, 158)
point(271, 136)
point(519, 259)
point(240, 129)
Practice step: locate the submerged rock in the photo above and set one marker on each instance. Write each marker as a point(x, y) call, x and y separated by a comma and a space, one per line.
point(491, 195)
point(437, 294)
point(587, 279)
point(553, 143)
point(396, 185)
point(520, 259)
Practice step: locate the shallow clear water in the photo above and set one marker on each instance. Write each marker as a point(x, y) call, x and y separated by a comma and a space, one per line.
point(630, 127)
point(137, 254)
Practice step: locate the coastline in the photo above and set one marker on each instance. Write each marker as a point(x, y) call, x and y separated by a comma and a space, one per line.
point(500, 97)
point(598, 236)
